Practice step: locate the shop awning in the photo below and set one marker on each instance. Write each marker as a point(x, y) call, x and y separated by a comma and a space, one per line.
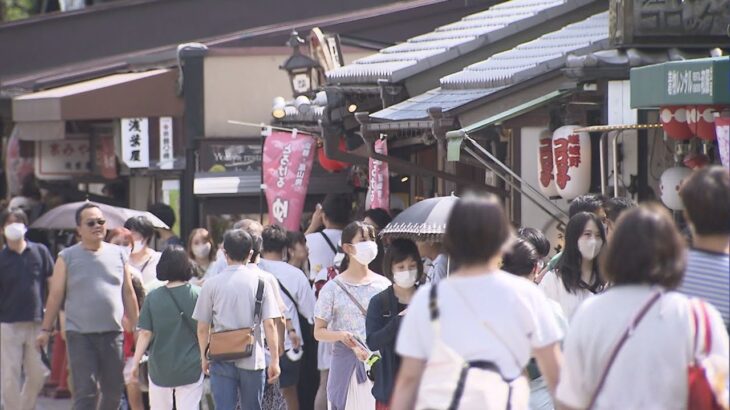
point(145, 94)
point(249, 183)
point(514, 111)
point(700, 81)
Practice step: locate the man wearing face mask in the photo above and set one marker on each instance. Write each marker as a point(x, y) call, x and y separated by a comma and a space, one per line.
point(25, 268)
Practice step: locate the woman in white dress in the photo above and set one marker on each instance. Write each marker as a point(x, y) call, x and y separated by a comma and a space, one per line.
point(576, 276)
point(340, 315)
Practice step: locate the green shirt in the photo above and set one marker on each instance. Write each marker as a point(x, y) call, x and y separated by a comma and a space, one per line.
point(174, 356)
point(553, 262)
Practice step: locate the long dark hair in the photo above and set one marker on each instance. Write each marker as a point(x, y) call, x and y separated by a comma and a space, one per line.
point(568, 268)
point(349, 234)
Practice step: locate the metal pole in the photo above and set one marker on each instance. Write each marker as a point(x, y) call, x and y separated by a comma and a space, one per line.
point(509, 181)
point(602, 153)
point(509, 171)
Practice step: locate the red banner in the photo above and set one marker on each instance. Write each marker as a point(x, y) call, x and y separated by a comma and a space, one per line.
point(287, 163)
point(379, 178)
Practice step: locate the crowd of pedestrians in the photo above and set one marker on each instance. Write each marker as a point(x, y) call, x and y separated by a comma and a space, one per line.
point(629, 314)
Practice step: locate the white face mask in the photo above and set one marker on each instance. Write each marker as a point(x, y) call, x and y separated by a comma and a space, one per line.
point(365, 252)
point(15, 231)
point(139, 246)
point(589, 247)
point(406, 278)
point(201, 250)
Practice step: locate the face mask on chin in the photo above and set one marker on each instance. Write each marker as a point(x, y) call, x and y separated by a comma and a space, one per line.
point(365, 252)
point(589, 248)
point(405, 279)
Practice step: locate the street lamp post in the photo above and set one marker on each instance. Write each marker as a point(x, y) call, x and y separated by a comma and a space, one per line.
point(303, 71)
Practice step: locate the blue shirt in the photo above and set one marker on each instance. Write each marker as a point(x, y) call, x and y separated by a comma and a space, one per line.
point(708, 277)
point(23, 278)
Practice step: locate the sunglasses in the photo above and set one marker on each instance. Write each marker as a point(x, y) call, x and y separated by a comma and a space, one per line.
point(93, 222)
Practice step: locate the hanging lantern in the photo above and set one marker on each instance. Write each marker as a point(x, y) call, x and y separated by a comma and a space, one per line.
point(669, 184)
point(701, 121)
point(332, 165)
point(674, 122)
point(546, 176)
point(572, 161)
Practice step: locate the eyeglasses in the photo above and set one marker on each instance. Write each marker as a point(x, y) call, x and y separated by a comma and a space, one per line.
point(93, 222)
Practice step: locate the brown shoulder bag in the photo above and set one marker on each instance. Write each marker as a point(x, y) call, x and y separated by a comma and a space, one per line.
point(239, 343)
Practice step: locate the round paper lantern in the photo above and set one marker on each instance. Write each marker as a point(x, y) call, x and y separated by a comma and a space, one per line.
point(701, 121)
point(332, 165)
point(669, 184)
point(674, 122)
point(545, 174)
point(571, 161)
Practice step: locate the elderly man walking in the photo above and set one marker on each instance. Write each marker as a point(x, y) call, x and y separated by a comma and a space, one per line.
point(25, 267)
point(94, 279)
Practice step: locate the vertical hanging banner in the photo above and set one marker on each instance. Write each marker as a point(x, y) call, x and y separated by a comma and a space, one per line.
point(287, 165)
point(722, 128)
point(136, 142)
point(167, 158)
point(379, 178)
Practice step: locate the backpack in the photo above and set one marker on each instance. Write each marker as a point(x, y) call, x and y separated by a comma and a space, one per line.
point(703, 387)
point(449, 382)
point(332, 270)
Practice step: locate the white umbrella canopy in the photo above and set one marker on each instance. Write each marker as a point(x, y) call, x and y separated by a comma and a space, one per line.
point(64, 217)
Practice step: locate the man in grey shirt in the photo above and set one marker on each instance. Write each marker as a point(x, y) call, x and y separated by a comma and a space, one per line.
point(94, 279)
point(227, 303)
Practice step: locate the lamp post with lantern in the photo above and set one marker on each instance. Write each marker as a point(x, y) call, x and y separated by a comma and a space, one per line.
point(303, 71)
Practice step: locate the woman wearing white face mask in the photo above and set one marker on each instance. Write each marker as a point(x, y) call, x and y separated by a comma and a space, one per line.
point(402, 264)
point(144, 258)
point(340, 319)
point(576, 276)
point(202, 252)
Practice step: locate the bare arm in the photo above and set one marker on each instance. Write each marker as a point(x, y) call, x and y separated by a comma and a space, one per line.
point(129, 299)
point(203, 335)
point(280, 325)
point(406, 385)
point(270, 331)
point(316, 221)
point(549, 359)
point(144, 337)
point(322, 334)
point(56, 294)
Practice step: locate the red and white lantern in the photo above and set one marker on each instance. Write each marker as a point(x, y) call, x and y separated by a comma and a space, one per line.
point(701, 121)
point(332, 165)
point(669, 184)
point(572, 161)
point(546, 176)
point(674, 122)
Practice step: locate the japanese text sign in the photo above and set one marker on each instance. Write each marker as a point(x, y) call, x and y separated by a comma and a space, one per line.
point(135, 142)
point(287, 164)
point(379, 178)
point(167, 158)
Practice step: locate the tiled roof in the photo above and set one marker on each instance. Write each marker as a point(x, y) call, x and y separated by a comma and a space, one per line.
point(528, 60)
point(450, 41)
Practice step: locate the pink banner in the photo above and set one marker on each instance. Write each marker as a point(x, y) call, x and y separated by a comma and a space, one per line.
point(287, 162)
point(722, 128)
point(379, 178)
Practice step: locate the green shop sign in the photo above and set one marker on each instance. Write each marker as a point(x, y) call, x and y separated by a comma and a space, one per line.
point(701, 81)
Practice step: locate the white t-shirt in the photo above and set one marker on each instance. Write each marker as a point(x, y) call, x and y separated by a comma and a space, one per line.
point(271, 281)
point(148, 269)
point(513, 306)
point(321, 255)
point(650, 371)
point(297, 285)
point(553, 287)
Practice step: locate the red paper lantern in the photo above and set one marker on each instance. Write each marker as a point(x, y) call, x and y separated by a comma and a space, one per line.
point(332, 165)
point(701, 121)
point(674, 122)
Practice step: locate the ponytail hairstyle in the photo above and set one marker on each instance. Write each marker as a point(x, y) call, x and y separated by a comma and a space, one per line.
point(348, 235)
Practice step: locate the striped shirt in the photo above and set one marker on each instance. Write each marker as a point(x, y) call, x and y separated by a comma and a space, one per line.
point(708, 277)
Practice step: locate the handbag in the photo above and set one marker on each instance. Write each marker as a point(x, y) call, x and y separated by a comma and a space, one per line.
point(621, 342)
point(239, 343)
point(702, 395)
point(450, 382)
